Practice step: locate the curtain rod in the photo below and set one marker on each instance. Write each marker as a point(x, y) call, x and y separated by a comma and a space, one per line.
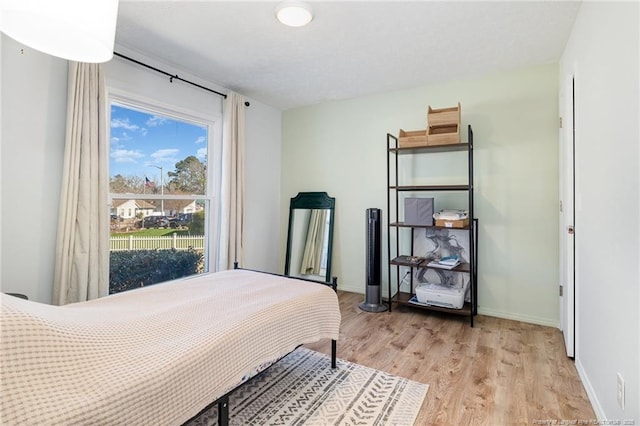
point(171, 76)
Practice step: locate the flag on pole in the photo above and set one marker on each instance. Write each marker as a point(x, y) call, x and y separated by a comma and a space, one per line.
point(148, 183)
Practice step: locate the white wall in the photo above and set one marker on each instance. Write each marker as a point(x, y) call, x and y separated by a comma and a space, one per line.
point(137, 81)
point(262, 188)
point(1, 38)
point(34, 92)
point(603, 53)
point(340, 147)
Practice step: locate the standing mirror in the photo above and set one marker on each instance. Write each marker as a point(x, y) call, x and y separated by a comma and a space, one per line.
point(310, 236)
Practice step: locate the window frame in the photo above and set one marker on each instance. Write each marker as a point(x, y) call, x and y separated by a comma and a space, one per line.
point(214, 161)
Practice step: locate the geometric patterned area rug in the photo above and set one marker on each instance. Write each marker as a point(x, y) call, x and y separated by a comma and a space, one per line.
point(303, 389)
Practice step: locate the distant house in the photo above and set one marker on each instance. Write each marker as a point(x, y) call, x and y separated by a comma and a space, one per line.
point(175, 207)
point(129, 209)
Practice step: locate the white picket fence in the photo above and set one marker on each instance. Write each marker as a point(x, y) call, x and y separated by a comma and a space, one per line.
point(177, 242)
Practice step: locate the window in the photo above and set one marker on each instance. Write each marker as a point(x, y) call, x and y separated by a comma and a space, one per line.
point(161, 195)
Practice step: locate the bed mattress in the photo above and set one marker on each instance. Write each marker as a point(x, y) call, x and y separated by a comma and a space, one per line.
point(154, 355)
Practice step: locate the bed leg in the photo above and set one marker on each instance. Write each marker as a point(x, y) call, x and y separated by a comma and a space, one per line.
point(333, 353)
point(223, 411)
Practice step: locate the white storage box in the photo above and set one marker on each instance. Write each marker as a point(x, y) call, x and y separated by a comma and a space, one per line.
point(438, 295)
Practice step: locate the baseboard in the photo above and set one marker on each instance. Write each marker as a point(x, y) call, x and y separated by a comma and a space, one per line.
point(591, 394)
point(518, 317)
point(360, 290)
point(481, 311)
point(350, 289)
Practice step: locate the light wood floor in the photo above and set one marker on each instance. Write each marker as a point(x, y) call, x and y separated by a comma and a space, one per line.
point(500, 372)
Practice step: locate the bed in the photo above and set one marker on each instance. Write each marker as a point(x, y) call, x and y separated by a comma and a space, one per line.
point(155, 355)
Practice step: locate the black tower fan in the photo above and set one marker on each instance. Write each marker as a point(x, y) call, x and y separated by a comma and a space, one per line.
point(373, 295)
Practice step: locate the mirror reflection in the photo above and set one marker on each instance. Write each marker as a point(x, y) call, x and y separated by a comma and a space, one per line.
point(310, 236)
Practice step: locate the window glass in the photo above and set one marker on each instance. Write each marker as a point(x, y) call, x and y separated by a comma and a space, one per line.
point(154, 153)
point(159, 196)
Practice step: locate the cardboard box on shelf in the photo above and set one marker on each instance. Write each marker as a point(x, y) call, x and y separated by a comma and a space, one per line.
point(443, 116)
point(447, 223)
point(443, 125)
point(412, 138)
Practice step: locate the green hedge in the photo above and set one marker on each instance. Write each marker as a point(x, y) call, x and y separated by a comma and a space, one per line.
point(196, 227)
point(139, 268)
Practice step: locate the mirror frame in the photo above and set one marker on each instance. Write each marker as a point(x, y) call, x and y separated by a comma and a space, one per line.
point(311, 200)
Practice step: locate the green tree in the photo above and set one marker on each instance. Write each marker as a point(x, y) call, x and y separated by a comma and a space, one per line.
point(190, 176)
point(119, 184)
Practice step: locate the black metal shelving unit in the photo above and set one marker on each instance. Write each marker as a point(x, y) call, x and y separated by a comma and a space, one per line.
point(397, 227)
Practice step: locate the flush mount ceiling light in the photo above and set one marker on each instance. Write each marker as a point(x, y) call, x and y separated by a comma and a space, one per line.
point(294, 13)
point(78, 30)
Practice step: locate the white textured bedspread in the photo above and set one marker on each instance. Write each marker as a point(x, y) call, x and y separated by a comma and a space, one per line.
point(155, 355)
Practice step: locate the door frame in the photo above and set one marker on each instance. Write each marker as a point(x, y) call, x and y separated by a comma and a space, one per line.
point(567, 272)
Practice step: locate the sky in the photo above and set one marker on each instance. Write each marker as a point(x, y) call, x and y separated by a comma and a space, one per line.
point(142, 142)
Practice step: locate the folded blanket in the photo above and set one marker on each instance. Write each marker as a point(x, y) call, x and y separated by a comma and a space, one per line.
point(154, 355)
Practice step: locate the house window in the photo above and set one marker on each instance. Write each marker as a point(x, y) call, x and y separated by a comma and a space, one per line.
point(160, 182)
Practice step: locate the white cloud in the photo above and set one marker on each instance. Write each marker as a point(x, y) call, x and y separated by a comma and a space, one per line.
point(165, 155)
point(201, 139)
point(201, 154)
point(126, 156)
point(125, 137)
point(123, 123)
point(156, 121)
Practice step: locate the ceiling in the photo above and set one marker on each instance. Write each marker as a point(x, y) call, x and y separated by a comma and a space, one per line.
point(350, 49)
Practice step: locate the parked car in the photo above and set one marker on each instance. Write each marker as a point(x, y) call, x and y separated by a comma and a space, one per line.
point(155, 222)
point(183, 219)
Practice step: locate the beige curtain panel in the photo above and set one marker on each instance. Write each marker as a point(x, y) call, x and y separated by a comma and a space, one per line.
point(314, 244)
point(82, 248)
point(231, 240)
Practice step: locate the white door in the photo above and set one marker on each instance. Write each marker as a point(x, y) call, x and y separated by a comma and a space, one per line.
point(567, 201)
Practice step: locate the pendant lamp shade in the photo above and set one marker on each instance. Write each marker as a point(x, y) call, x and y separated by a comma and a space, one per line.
point(78, 30)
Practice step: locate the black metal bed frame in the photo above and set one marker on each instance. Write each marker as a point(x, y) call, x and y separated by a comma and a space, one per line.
point(223, 401)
